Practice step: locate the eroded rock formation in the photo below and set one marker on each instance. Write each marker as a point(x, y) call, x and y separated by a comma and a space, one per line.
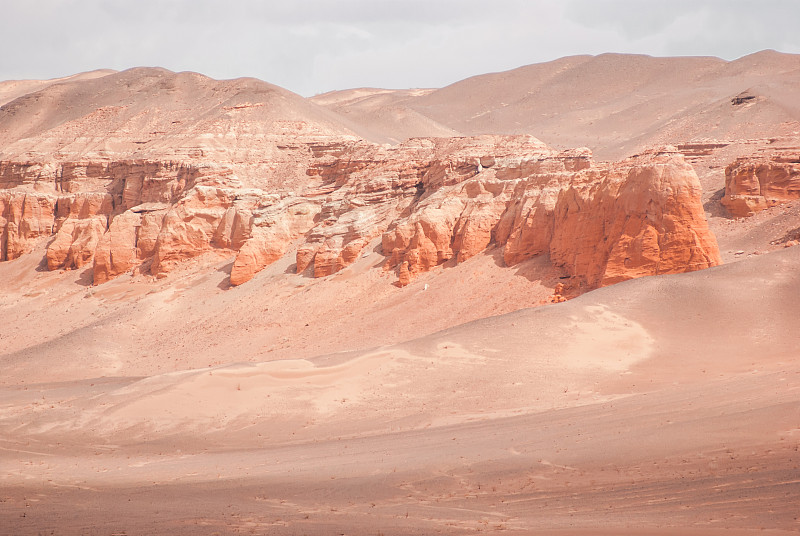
point(24, 218)
point(754, 183)
point(270, 231)
point(600, 223)
point(160, 167)
point(427, 201)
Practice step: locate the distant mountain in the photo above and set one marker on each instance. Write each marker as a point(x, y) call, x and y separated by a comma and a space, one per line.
point(615, 104)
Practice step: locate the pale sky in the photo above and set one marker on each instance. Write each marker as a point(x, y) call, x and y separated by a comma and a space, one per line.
point(313, 46)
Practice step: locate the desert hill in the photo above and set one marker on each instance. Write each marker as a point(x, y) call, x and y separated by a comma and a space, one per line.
point(11, 89)
point(557, 299)
point(615, 104)
point(384, 113)
point(714, 111)
point(147, 114)
point(145, 168)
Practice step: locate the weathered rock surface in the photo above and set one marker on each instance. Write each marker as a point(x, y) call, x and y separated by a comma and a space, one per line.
point(648, 220)
point(75, 242)
point(377, 189)
point(161, 167)
point(270, 233)
point(117, 251)
point(429, 201)
point(24, 218)
point(757, 182)
point(601, 224)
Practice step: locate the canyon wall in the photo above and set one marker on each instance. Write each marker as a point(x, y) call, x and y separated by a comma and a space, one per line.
point(427, 202)
point(754, 183)
point(600, 224)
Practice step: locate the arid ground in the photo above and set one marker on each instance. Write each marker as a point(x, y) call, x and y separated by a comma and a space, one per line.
point(169, 401)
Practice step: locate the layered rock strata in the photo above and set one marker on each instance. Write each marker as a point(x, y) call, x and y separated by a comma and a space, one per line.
point(428, 201)
point(600, 223)
point(754, 183)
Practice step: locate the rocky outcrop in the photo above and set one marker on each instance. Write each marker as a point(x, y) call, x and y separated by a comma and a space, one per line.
point(28, 216)
point(600, 224)
point(372, 192)
point(75, 242)
point(24, 218)
point(758, 182)
point(117, 251)
point(159, 167)
point(164, 235)
point(272, 230)
point(40, 199)
point(80, 222)
point(116, 209)
point(190, 226)
point(639, 217)
point(427, 202)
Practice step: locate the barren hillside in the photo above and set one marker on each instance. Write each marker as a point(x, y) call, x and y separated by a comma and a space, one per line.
point(559, 299)
point(615, 104)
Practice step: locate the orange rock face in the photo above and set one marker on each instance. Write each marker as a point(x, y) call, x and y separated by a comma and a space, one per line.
point(755, 183)
point(270, 233)
point(647, 220)
point(427, 201)
point(372, 195)
point(75, 243)
point(117, 250)
point(24, 217)
point(601, 224)
point(81, 220)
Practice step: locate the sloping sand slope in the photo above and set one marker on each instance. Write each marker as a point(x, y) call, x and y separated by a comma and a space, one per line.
point(666, 403)
point(12, 89)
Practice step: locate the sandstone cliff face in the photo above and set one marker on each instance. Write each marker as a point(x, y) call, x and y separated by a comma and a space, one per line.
point(648, 220)
point(427, 201)
point(116, 251)
point(75, 242)
point(24, 218)
point(270, 232)
point(758, 182)
point(375, 191)
point(75, 201)
point(600, 224)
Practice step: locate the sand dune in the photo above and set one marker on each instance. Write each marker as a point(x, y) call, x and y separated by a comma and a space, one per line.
point(134, 326)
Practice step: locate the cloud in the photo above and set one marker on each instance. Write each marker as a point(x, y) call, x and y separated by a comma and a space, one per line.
point(633, 20)
point(725, 28)
point(311, 46)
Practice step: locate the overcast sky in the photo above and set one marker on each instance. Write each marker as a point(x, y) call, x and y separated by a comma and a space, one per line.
point(313, 46)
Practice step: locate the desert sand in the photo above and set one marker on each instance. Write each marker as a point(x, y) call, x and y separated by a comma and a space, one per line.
point(463, 400)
